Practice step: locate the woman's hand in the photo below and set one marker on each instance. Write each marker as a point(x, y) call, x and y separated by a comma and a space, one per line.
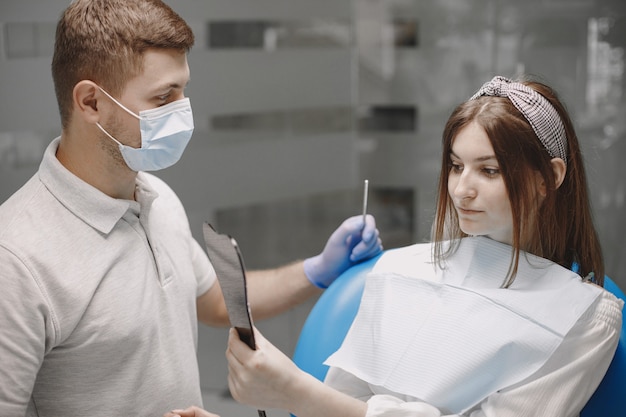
point(266, 378)
point(190, 412)
point(262, 378)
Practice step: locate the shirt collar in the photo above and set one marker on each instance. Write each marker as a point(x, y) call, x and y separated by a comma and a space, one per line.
point(91, 205)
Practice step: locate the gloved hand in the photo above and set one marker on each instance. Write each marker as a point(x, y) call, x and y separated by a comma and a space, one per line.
point(350, 244)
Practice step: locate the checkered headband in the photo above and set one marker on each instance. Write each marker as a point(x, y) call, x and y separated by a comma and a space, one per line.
point(541, 115)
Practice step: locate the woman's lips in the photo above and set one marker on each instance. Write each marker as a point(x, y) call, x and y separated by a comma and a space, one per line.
point(467, 211)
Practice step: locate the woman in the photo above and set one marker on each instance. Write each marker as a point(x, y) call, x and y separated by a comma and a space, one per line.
point(488, 320)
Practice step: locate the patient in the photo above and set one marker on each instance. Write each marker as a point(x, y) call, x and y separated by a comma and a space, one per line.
point(488, 319)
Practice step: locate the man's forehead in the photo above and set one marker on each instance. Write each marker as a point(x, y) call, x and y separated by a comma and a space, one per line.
point(161, 71)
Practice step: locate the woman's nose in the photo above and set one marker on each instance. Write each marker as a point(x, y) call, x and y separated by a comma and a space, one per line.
point(464, 186)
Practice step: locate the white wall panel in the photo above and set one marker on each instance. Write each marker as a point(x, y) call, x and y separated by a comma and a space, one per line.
point(245, 81)
point(240, 174)
point(262, 9)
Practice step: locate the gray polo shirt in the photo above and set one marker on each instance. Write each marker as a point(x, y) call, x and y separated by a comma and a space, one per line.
point(97, 304)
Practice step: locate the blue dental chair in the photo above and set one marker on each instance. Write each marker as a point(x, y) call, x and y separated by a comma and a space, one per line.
point(331, 317)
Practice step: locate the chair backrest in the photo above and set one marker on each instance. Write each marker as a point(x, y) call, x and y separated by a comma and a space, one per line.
point(329, 320)
point(331, 317)
point(610, 397)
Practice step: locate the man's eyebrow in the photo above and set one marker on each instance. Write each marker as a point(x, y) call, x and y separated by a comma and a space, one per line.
point(172, 85)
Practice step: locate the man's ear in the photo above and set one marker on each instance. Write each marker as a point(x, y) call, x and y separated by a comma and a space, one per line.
point(86, 94)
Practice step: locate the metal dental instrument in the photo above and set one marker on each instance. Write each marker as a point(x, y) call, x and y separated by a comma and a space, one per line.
point(365, 190)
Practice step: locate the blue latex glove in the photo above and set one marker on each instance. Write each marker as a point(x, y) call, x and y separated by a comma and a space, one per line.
point(350, 244)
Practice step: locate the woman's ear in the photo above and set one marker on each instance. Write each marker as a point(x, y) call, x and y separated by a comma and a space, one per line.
point(559, 168)
point(85, 95)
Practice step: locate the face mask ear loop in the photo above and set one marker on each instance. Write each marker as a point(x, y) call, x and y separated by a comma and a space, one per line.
point(108, 134)
point(120, 104)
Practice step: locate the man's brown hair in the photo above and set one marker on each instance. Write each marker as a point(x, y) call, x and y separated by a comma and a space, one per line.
point(104, 41)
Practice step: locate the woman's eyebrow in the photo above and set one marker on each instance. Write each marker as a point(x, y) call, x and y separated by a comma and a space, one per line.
point(478, 159)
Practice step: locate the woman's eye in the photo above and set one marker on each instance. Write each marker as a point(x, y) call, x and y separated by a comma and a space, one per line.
point(491, 172)
point(454, 167)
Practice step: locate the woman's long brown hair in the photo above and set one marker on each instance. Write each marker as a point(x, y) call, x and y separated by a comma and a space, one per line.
point(560, 227)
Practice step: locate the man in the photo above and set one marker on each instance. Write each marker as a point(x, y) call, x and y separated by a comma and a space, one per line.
point(99, 270)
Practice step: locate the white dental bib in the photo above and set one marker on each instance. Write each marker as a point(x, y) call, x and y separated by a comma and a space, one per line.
point(452, 337)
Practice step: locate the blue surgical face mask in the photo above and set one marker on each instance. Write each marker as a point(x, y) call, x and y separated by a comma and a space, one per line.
point(165, 132)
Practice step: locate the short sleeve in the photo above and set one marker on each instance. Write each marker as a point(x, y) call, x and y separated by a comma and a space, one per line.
point(27, 331)
point(205, 274)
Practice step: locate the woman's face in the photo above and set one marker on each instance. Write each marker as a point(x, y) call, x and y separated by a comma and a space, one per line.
point(477, 188)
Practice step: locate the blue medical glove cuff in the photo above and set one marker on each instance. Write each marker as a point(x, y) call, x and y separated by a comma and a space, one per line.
point(312, 271)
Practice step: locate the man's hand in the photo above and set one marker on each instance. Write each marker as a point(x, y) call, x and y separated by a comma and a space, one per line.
point(350, 244)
